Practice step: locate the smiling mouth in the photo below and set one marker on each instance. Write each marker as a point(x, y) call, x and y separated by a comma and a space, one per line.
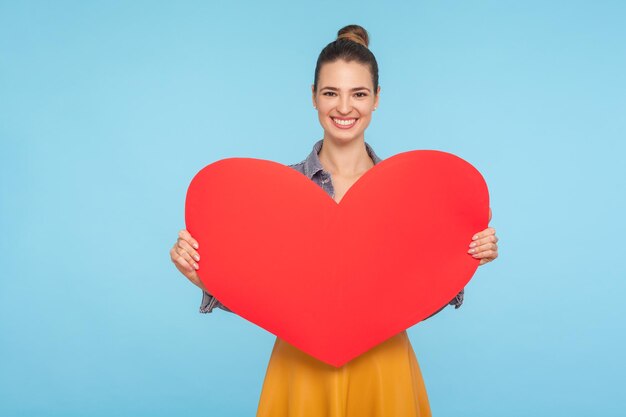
point(344, 123)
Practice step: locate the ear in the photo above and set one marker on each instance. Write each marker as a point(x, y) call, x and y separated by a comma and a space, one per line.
point(313, 95)
point(377, 97)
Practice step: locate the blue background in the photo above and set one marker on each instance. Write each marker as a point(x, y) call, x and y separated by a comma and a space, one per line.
point(107, 110)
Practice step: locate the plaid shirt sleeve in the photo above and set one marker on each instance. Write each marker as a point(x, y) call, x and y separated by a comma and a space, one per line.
point(209, 302)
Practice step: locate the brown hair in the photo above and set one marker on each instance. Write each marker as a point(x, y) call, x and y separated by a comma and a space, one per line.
point(351, 45)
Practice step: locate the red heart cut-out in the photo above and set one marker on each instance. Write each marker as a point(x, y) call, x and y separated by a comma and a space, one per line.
point(332, 279)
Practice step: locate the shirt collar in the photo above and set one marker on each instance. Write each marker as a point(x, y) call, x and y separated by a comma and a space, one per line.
point(312, 163)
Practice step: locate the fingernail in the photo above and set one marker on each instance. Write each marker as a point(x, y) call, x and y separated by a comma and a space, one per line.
point(472, 244)
point(471, 251)
point(197, 258)
point(195, 245)
point(475, 237)
point(195, 265)
point(475, 255)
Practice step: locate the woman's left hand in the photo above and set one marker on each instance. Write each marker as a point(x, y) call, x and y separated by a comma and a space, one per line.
point(484, 245)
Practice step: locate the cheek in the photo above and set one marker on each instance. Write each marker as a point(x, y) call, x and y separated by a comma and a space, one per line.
point(323, 118)
point(366, 113)
point(366, 117)
point(366, 108)
point(323, 108)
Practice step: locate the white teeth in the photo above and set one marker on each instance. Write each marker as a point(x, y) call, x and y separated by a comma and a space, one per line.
point(344, 122)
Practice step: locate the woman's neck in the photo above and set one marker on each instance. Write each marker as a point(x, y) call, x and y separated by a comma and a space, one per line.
point(348, 159)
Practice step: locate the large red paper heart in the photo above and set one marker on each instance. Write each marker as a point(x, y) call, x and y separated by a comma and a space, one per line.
point(332, 279)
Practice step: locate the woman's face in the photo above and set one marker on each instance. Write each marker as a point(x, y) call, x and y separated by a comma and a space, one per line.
point(345, 100)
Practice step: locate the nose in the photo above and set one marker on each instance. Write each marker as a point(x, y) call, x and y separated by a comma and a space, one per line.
point(344, 106)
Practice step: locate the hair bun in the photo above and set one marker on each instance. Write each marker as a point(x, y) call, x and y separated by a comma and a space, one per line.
point(354, 33)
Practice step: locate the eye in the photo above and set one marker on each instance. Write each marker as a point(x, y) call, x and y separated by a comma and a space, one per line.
point(361, 94)
point(328, 93)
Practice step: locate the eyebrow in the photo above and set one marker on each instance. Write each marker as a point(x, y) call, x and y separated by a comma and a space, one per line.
point(352, 89)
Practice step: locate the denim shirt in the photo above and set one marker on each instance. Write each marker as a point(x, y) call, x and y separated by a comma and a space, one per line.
point(312, 168)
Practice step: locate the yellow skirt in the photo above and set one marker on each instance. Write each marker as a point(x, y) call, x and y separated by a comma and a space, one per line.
point(384, 381)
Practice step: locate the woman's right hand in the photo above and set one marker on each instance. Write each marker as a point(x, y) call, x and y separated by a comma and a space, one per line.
point(185, 257)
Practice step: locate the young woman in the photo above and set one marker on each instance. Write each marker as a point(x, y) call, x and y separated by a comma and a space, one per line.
point(386, 380)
